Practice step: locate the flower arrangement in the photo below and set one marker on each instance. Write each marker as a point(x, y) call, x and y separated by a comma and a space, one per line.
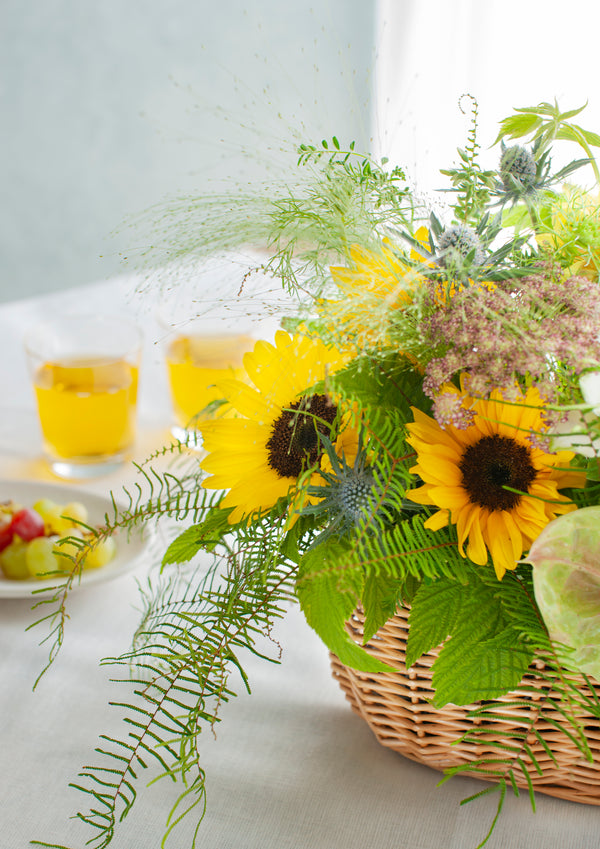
point(421, 432)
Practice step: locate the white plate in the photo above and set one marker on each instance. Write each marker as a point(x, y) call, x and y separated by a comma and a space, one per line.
point(129, 549)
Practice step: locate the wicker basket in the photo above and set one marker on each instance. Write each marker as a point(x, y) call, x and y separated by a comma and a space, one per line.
point(396, 707)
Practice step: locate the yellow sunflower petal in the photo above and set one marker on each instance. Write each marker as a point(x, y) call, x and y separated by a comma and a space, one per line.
point(234, 465)
point(476, 548)
point(451, 497)
point(247, 401)
point(231, 435)
point(437, 521)
point(468, 513)
point(500, 544)
point(437, 470)
point(244, 493)
point(420, 495)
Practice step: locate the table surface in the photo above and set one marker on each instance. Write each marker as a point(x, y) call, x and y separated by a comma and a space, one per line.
point(291, 765)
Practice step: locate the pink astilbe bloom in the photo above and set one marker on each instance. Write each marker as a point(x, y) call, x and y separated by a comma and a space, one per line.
point(448, 409)
point(532, 327)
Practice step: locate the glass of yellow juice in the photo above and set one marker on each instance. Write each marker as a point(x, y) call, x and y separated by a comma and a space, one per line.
point(85, 379)
point(196, 360)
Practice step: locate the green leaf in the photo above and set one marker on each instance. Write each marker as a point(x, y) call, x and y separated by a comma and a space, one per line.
point(329, 594)
point(289, 547)
point(516, 216)
point(572, 112)
point(590, 137)
point(483, 653)
point(379, 601)
point(203, 536)
point(389, 382)
point(433, 616)
point(517, 126)
point(184, 547)
point(470, 669)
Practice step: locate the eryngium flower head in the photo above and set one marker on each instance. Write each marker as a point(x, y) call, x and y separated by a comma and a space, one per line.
point(517, 165)
point(350, 496)
point(457, 243)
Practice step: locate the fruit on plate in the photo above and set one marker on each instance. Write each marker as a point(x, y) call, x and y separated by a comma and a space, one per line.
point(38, 541)
point(13, 561)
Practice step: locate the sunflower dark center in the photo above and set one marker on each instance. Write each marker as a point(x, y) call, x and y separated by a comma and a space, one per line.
point(490, 465)
point(294, 444)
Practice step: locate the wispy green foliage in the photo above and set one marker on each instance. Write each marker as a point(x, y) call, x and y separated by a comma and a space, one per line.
point(338, 197)
point(194, 633)
point(472, 185)
point(156, 496)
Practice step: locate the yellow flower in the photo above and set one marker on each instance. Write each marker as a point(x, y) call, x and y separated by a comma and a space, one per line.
point(491, 480)
point(375, 284)
point(260, 455)
point(422, 237)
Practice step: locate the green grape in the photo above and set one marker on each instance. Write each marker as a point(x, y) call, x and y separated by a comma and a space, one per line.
point(75, 511)
point(68, 517)
point(63, 541)
point(67, 547)
point(101, 554)
point(40, 557)
point(50, 512)
point(61, 518)
point(13, 560)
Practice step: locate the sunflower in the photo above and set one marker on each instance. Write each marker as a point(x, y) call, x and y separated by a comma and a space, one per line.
point(260, 455)
point(491, 479)
point(373, 285)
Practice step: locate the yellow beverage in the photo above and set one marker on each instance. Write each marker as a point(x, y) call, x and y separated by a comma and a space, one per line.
point(87, 407)
point(194, 363)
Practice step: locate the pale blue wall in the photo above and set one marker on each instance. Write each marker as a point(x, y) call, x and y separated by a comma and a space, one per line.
point(106, 106)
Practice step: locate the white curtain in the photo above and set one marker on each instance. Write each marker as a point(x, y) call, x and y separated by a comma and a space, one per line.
point(505, 53)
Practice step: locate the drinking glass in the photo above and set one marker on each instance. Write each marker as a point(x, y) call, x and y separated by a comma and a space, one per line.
point(196, 353)
point(85, 370)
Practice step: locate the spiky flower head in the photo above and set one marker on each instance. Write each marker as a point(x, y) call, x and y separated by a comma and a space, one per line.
point(349, 495)
point(517, 165)
point(354, 494)
point(457, 244)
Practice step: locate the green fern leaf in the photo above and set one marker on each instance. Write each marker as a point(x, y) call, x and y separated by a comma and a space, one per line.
point(470, 669)
point(379, 601)
point(433, 616)
point(204, 536)
point(484, 653)
point(328, 597)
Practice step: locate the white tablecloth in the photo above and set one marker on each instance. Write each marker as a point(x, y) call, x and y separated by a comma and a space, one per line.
point(291, 767)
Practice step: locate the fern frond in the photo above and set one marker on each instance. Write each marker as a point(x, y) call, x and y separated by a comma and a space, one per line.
point(159, 495)
point(178, 675)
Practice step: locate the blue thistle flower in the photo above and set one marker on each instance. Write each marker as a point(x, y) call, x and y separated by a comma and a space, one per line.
point(459, 246)
point(517, 166)
point(349, 496)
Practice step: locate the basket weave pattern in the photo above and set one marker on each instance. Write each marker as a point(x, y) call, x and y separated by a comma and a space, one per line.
point(396, 707)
